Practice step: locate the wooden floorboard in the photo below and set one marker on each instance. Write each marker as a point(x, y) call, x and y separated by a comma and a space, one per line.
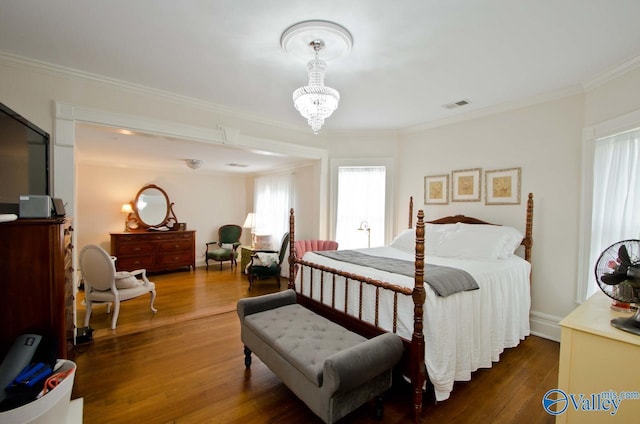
point(185, 364)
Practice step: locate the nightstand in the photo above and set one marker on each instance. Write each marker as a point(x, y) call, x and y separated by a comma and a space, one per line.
point(245, 257)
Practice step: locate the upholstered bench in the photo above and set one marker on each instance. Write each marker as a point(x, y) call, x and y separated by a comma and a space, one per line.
point(332, 370)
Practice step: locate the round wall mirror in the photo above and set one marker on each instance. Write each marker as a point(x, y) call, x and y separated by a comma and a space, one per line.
point(152, 208)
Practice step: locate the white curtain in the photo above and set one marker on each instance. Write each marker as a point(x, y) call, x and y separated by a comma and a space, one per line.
point(272, 201)
point(616, 195)
point(361, 203)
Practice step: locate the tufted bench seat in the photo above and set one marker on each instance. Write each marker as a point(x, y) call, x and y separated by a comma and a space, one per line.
point(332, 370)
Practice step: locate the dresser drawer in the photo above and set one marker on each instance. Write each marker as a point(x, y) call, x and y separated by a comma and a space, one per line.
point(175, 246)
point(131, 263)
point(178, 259)
point(134, 249)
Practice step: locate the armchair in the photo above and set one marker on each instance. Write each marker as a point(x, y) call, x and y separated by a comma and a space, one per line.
point(103, 284)
point(267, 263)
point(226, 248)
point(303, 246)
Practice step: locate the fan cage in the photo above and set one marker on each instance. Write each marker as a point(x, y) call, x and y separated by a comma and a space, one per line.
point(626, 291)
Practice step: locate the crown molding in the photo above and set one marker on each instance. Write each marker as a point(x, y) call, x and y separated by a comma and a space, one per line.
point(493, 110)
point(612, 74)
point(33, 65)
point(23, 63)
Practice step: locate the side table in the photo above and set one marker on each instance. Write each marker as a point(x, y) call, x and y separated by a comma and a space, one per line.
point(245, 257)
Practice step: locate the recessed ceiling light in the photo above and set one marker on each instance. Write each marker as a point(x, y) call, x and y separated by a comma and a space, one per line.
point(194, 163)
point(237, 165)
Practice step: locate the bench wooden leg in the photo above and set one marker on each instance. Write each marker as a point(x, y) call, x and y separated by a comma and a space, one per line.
point(379, 407)
point(247, 357)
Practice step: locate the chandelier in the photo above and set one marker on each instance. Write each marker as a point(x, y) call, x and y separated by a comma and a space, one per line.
point(315, 101)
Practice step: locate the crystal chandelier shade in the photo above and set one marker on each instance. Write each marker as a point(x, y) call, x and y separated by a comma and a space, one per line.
point(315, 101)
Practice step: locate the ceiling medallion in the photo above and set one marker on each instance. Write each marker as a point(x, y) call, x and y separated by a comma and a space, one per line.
point(315, 101)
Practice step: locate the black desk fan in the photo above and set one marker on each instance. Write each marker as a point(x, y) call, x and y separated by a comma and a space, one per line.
point(618, 275)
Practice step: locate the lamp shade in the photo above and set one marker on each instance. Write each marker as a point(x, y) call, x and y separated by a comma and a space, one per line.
point(250, 221)
point(126, 208)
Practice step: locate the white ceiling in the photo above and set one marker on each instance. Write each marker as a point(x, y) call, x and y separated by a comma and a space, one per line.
point(408, 59)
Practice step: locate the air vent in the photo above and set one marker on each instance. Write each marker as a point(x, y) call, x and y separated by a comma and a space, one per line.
point(457, 104)
point(237, 165)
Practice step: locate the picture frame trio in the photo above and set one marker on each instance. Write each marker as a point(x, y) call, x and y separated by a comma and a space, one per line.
point(501, 187)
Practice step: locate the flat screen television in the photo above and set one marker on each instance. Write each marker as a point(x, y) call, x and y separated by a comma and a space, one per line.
point(24, 160)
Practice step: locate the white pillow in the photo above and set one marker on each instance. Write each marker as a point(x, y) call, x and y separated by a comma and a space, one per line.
point(124, 280)
point(429, 227)
point(434, 234)
point(406, 240)
point(266, 259)
point(471, 245)
point(513, 237)
point(228, 246)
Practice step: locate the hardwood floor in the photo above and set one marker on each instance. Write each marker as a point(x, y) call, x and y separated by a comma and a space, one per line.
point(185, 364)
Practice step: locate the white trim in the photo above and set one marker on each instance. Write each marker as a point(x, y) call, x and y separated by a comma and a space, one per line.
point(545, 325)
point(612, 74)
point(590, 135)
point(32, 65)
point(494, 110)
point(137, 123)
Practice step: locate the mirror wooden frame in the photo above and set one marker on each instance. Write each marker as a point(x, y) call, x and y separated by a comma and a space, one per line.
point(136, 223)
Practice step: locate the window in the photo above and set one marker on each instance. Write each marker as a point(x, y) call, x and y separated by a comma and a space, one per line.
point(616, 195)
point(272, 201)
point(360, 212)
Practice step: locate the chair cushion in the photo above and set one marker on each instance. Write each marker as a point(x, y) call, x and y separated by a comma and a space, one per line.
point(302, 337)
point(125, 294)
point(220, 254)
point(265, 259)
point(124, 280)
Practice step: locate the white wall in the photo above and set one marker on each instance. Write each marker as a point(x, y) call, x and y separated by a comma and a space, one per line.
point(306, 203)
point(544, 140)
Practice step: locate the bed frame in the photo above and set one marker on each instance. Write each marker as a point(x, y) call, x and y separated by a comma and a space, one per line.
point(413, 359)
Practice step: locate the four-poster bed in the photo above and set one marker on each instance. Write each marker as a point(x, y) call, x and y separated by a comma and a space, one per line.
point(373, 301)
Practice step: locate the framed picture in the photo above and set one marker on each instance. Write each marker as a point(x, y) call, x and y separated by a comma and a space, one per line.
point(436, 190)
point(465, 185)
point(502, 186)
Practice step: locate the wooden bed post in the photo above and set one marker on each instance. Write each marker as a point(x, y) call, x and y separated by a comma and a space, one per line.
point(417, 364)
point(528, 236)
point(292, 250)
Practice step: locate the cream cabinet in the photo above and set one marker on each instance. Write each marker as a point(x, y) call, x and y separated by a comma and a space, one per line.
point(597, 361)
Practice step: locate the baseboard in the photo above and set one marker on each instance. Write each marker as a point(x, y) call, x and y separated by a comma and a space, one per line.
point(545, 325)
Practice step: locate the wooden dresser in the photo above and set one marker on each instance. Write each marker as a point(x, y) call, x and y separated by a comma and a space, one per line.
point(154, 250)
point(37, 282)
point(597, 358)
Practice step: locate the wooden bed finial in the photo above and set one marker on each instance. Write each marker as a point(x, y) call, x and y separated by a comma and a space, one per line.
point(411, 212)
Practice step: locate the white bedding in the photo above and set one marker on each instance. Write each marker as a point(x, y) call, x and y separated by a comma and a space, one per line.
point(464, 331)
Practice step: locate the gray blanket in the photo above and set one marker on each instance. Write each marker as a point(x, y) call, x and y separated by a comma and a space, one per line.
point(443, 280)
